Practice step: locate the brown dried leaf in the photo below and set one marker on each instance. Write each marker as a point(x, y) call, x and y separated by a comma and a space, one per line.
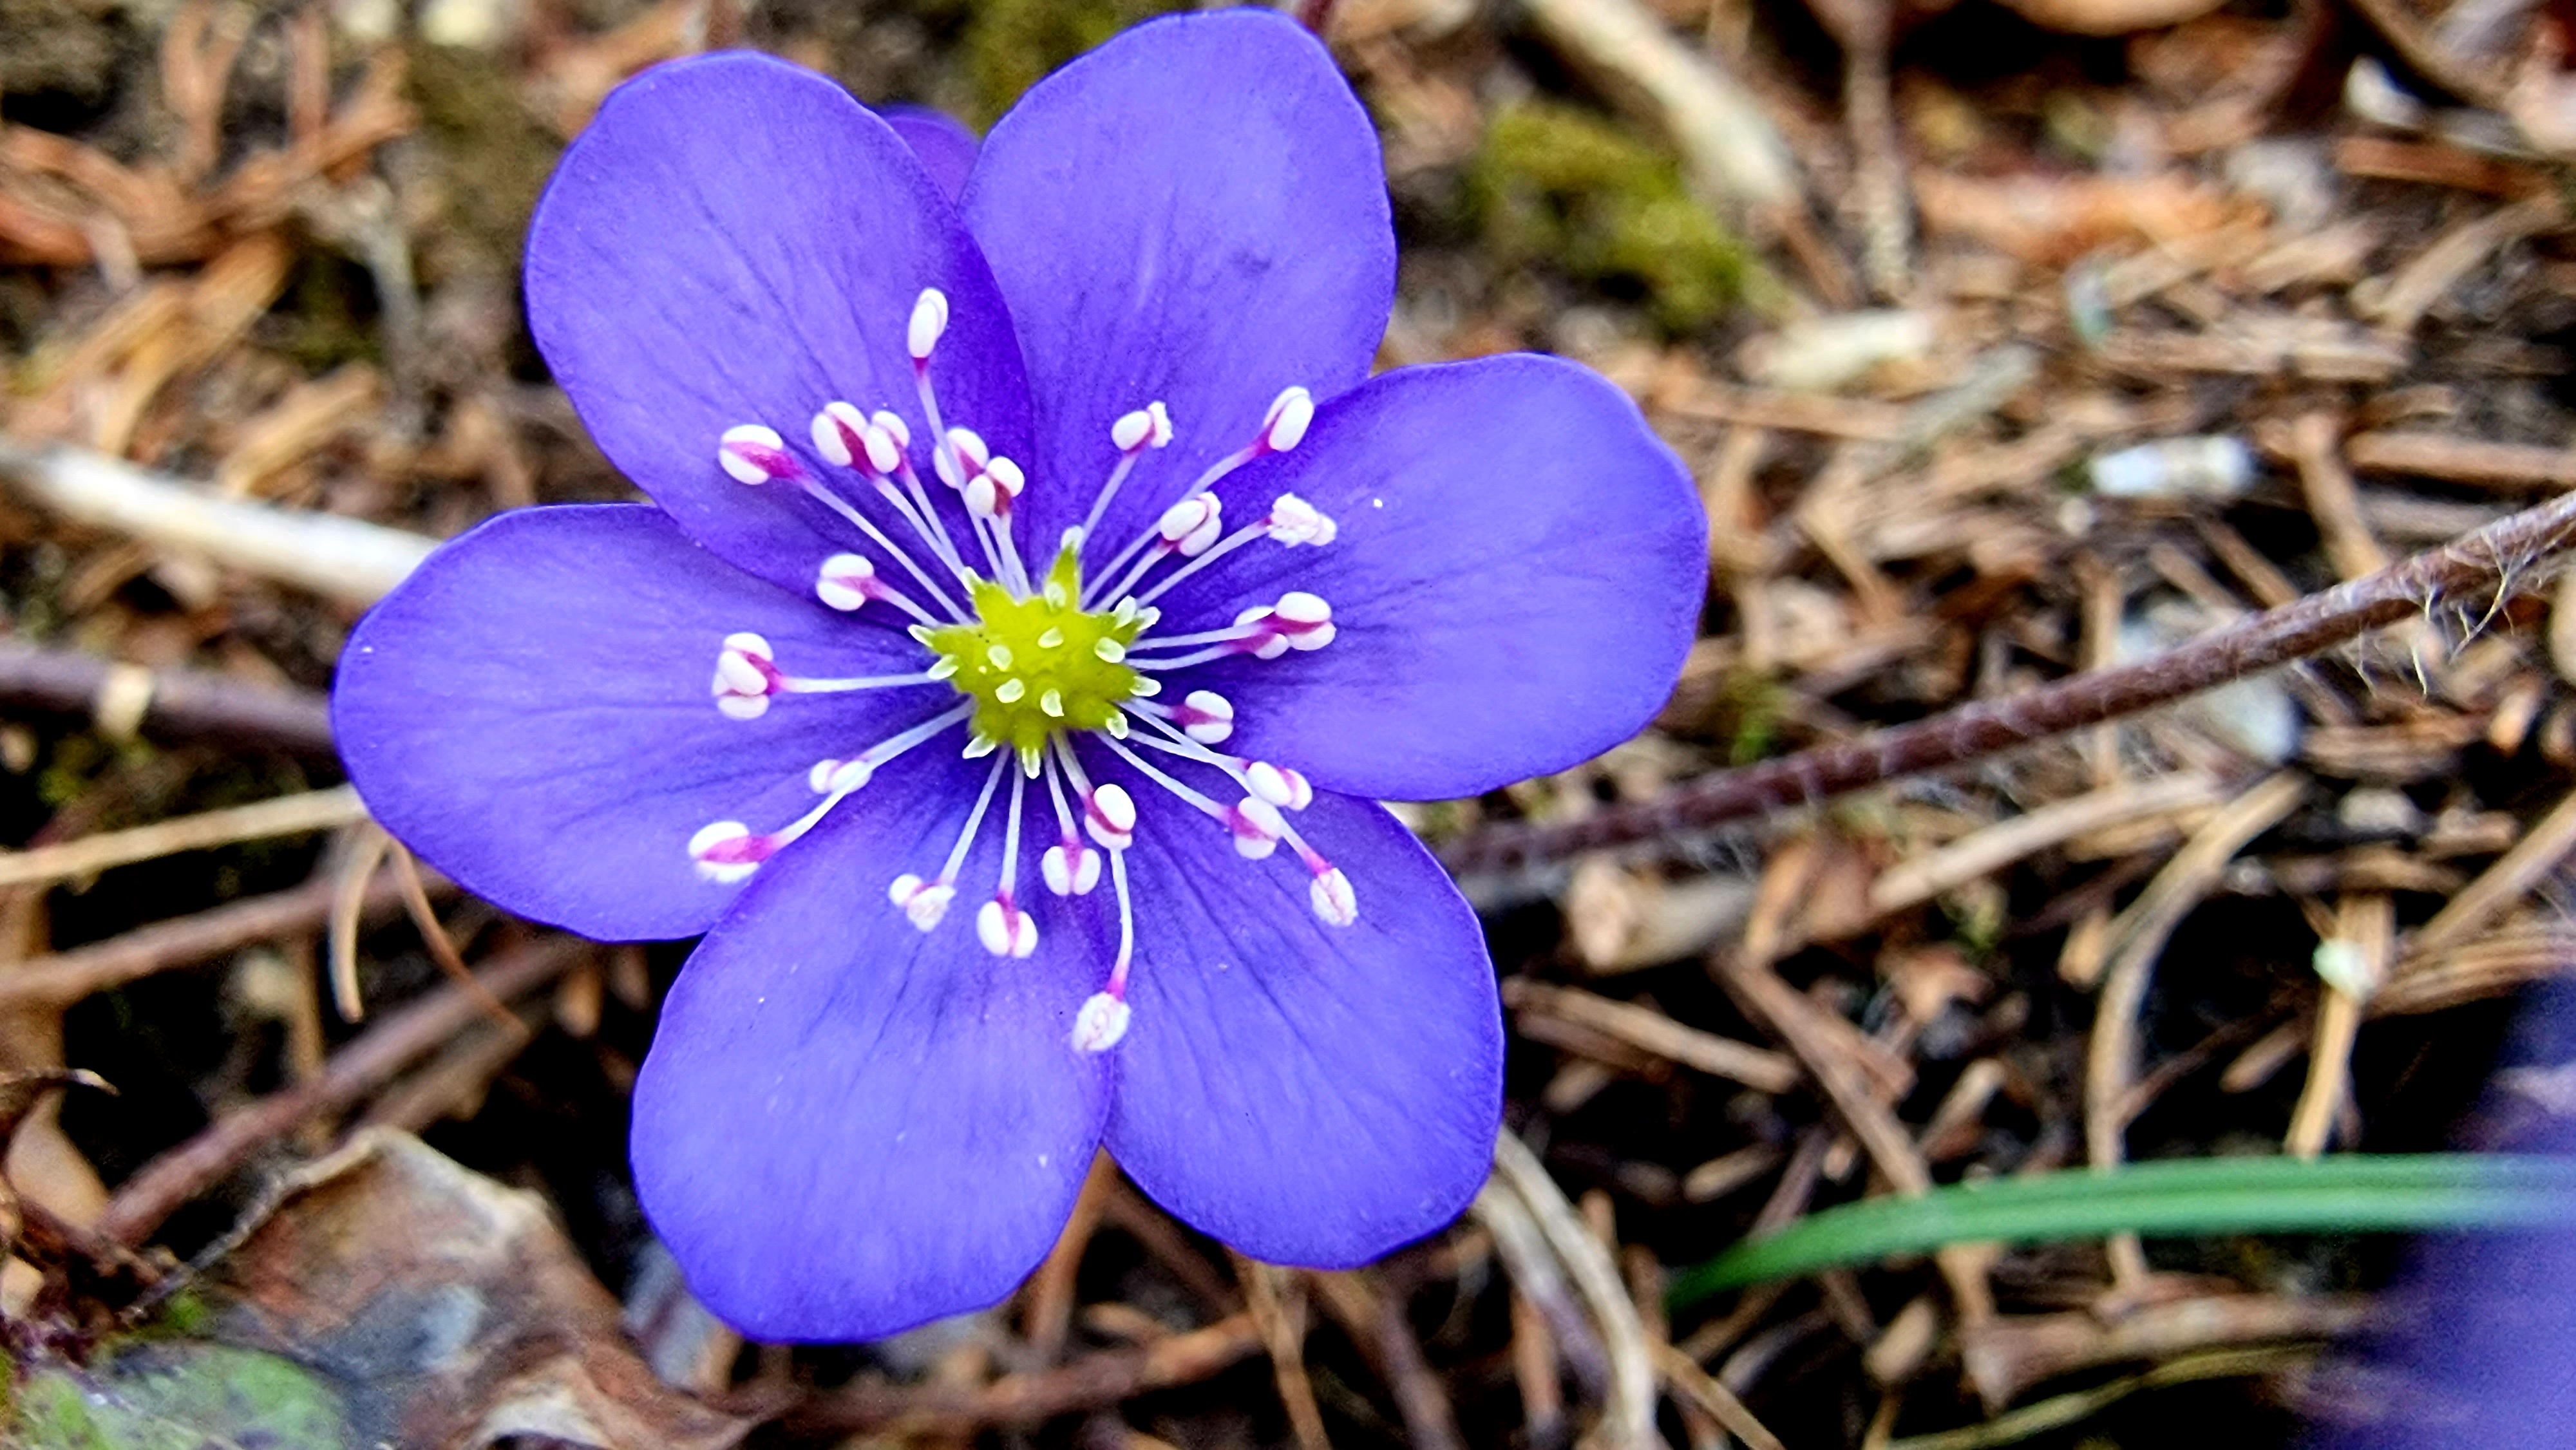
point(449, 1310)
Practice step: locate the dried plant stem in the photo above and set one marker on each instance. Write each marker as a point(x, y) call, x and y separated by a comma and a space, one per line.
point(319, 810)
point(65, 977)
point(176, 702)
point(401, 1038)
point(337, 557)
point(1104, 1378)
point(2501, 560)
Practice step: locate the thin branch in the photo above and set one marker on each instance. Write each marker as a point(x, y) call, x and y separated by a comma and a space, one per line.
point(67, 976)
point(1091, 1382)
point(166, 1183)
point(175, 703)
point(2499, 561)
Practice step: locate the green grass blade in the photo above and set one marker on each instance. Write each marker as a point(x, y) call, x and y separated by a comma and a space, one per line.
point(2349, 1192)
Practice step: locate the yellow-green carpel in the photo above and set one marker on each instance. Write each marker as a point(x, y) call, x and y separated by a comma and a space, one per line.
point(1040, 665)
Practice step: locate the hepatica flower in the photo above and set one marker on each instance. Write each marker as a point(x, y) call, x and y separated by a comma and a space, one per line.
point(1037, 595)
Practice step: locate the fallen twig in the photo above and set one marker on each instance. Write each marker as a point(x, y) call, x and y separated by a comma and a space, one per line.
point(65, 977)
point(342, 558)
point(2504, 559)
point(1094, 1380)
point(174, 702)
point(402, 1037)
point(318, 810)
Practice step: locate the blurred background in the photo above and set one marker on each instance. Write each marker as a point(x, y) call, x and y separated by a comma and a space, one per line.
point(2006, 341)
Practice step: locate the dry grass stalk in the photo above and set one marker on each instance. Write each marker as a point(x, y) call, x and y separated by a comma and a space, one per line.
point(320, 810)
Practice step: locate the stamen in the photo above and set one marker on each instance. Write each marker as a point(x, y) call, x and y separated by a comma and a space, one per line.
point(1070, 867)
point(1108, 813)
point(929, 321)
point(745, 677)
point(1283, 425)
point(729, 851)
point(1292, 521)
point(1205, 716)
point(1004, 929)
point(1189, 528)
point(925, 902)
point(1133, 433)
point(1279, 785)
point(815, 490)
point(755, 454)
point(847, 582)
point(1102, 1022)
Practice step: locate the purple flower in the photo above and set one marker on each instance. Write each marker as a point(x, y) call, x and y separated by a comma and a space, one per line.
point(1068, 590)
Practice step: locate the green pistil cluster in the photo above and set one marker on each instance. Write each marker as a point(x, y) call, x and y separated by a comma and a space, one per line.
point(1039, 665)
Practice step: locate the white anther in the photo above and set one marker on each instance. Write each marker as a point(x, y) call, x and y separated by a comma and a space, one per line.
point(849, 775)
point(837, 430)
point(1206, 717)
point(1284, 426)
point(1101, 1022)
point(1005, 930)
point(844, 580)
point(892, 425)
point(1191, 525)
point(885, 449)
point(1109, 650)
point(1256, 826)
point(1309, 620)
point(752, 453)
point(1331, 895)
point(1278, 785)
point(1184, 518)
point(980, 745)
point(820, 777)
point(985, 498)
point(929, 320)
point(1006, 475)
point(1052, 702)
point(923, 902)
point(1071, 869)
point(1110, 816)
point(716, 864)
point(1129, 432)
point(1295, 521)
point(1148, 685)
point(742, 683)
point(1011, 690)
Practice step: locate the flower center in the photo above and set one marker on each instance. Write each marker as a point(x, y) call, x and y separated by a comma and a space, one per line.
point(1055, 668)
point(1039, 665)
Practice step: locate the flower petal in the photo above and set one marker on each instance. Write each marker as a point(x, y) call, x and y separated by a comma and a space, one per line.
point(1195, 212)
point(939, 141)
point(735, 240)
point(531, 712)
point(1310, 1094)
point(846, 1126)
point(1518, 573)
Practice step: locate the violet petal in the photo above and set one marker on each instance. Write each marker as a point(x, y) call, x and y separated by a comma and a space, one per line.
point(1195, 212)
point(531, 711)
point(1517, 575)
point(846, 1126)
point(1310, 1094)
point(735, 240)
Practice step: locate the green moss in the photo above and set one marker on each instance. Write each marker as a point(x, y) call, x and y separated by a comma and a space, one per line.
point(1556, 184)
point(1010, 44)
point(180, 1395)
point(492, 155)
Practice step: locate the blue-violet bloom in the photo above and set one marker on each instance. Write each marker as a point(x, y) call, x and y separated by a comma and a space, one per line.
point(1070, 593)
